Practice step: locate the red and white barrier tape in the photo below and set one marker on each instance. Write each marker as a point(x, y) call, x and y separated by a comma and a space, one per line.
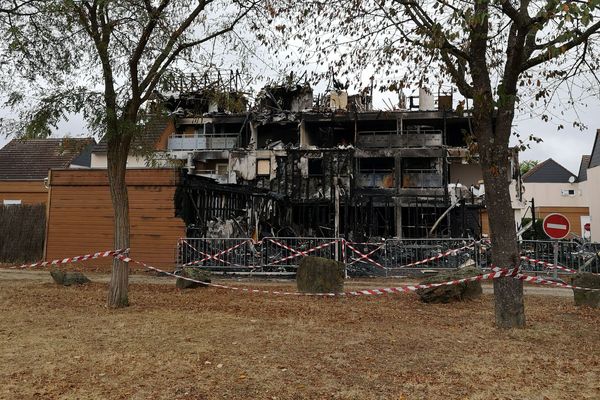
point(299, 252)
point(100, 254)
point(437, 257)
point(364, 292)
point(210, 256)
point(215, 256)
point(365, 256)
point(540, 281)
point(548, 265)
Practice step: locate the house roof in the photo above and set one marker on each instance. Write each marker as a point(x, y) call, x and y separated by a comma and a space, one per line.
point(548, 171)
point(595, 157)
point(31, 159)
point(585, 162)
point(147, 140)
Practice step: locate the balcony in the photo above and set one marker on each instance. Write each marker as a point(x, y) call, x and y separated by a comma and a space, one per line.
point(213, 141)
point(421, 178)
point(382, 179)
point(395, 139)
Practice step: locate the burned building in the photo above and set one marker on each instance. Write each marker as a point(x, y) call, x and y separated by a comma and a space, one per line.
point(331, 166)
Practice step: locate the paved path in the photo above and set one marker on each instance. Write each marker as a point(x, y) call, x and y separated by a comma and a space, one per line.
point(44, 277)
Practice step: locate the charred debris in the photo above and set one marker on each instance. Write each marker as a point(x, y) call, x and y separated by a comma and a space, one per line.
point(296, 164)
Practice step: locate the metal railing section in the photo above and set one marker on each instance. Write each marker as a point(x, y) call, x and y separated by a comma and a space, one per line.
point(571, 254)
point(212, 141)
point(390, 257)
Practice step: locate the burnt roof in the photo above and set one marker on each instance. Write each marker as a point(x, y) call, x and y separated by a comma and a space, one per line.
point(147, 140)
point(585, 162)
point(31, 159)
point(548, 171)
point(595, 157)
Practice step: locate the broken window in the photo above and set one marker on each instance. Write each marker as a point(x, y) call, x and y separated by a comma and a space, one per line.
point(315, 166)
point(329, 134)
point(263, 167)
point(376, 164)
point(287, 134)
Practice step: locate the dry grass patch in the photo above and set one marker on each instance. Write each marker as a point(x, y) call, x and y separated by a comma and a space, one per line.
point(58, 342)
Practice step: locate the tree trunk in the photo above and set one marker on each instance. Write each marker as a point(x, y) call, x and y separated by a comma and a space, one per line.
point(117, 164)
point(494, 156)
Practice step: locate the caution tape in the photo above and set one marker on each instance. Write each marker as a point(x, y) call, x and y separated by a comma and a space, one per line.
point(214, 256)
point(548, 265)
point(541, 281)
point(436, 257)
point(299, 252)
point(68, 260)
point(365, 256)
point(364, 292)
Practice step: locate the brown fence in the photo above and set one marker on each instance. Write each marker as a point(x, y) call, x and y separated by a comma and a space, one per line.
point(22, 232)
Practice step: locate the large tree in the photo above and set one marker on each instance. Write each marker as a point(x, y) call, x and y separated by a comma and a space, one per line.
point(105, 59)
point(502, 54)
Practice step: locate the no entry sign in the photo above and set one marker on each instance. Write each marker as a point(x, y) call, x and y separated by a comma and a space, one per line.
point(556, 226)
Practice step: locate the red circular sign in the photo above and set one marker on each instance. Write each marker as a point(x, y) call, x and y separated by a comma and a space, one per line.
point(556, 226)
point(587, 227)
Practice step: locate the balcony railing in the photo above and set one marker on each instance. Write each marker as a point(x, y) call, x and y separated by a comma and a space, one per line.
point(405, 138)
point(421, 178)
point(375, 178)
point(213, 141)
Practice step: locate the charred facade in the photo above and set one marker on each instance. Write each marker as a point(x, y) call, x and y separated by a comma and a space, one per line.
point(295, 165)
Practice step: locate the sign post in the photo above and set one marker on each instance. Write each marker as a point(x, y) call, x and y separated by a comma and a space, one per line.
point(557, 227)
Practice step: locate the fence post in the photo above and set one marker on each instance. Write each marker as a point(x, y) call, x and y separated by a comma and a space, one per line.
point(385, 257)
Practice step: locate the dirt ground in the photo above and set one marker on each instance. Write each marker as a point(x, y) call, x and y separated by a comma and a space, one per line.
point(62, 343)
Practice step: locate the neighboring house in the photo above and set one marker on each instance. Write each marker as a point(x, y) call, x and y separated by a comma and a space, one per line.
point(147, 149)
point(555, 189)
point(24, 166)
point(593, 188)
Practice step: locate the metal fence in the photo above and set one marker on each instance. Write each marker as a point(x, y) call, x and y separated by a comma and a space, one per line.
point(571, 254)
point(391, 257)
point(278, 256)
point(219, 255)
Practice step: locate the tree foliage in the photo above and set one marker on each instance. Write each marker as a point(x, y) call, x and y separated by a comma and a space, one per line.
point(526, 165)
point(106, 59)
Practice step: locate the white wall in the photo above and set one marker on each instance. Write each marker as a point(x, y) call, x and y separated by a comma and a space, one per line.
point(243, 164)
point(99, 160)
point(593, 194)
point(549, 194)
